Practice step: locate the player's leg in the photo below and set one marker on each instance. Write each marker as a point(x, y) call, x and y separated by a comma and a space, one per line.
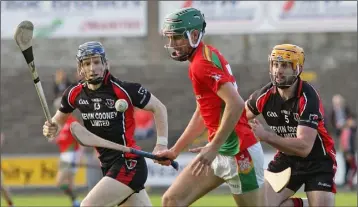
point(295, 202)
point(321, 198)
point(5, 192)
point(320, 189)
point(278, 199)
point(121, 180)
point(283, 198)
point(107, 192)
point(6, 195)
point(138, 199)
point(66, 174)
point(187, 188)
point(247, 185)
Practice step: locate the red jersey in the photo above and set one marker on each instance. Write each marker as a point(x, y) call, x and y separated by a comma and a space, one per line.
point(65, 140)
point(208, 71)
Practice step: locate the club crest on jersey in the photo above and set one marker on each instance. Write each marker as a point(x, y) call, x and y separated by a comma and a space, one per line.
point(296, 117)
point(313, 118)
point(245, 165)
point(110, 103)
point(216, 77)
point(131, 164)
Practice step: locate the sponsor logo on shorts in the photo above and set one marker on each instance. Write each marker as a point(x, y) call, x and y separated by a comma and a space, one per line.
point(233, 185)
point(324, 184)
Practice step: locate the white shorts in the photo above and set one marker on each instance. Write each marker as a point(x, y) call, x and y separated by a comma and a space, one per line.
point(69, 161)
point(243, 172)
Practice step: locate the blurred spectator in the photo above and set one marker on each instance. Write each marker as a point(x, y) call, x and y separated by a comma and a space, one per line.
point(61, 82)
point(345, 126)
point(75, 78)
point(144, 121)
point(93, 172)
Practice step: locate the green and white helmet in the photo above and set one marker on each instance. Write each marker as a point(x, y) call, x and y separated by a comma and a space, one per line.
point(180, 24)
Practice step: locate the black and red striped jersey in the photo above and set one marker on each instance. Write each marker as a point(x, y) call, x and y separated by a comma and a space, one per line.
point(284, 116)
point(98, 111)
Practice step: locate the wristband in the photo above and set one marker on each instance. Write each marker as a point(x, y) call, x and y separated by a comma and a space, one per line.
point(162, 140)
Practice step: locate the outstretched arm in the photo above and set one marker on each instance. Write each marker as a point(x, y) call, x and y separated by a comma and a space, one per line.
point(194, 129)
point(161, 119)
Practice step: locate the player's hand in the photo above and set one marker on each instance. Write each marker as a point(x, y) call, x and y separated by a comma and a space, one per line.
point(206, 156)
point(170, 154)
point(259, 131)
point(50, 130)
point(159, 148)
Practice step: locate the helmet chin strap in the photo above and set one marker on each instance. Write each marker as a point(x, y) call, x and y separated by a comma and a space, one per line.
point(191, 42)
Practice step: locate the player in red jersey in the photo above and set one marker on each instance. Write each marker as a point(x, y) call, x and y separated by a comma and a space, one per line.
point(70, 155)
point(233, 155)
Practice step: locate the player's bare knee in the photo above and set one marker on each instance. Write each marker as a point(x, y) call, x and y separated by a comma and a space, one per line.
point(169, 199)
point(85, 202)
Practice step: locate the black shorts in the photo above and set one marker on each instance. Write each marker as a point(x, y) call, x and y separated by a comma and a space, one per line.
point(316, 175)
point(131, 172)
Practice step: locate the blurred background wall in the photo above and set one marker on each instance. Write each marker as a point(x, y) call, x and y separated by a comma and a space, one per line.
point(244, 32)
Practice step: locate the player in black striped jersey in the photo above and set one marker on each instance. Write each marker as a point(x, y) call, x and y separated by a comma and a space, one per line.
point(293, 110)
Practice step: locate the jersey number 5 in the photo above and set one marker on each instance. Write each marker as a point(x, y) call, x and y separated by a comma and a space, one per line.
point(228, 68)
point(286, 119)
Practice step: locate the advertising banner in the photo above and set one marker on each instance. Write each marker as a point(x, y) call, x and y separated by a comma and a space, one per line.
point(34, 171)
point(313, 16)
point(242, 17)
point(55, 19)
point(222, 17)
point(40, 171)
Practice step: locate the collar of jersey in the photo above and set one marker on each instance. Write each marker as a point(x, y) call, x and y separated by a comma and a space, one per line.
point(197, 49)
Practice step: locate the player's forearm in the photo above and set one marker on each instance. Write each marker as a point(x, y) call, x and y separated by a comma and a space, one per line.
point(161, 123)
point(59, 120)
point(288, 145)
point(231, 116)
point(194, 129)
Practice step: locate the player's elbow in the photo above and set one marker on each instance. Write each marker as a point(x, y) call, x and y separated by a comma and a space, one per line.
point(236, 103)
point(160, 108)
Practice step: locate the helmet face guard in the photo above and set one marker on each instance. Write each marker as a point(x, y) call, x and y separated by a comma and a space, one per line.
point(286, 62)
point(180, 52)
point(283, 79)
point(90, 50)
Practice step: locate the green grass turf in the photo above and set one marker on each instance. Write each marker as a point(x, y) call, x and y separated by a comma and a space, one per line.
point(342, 199)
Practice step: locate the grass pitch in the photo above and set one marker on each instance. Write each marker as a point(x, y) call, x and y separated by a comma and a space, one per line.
point(342, 199)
